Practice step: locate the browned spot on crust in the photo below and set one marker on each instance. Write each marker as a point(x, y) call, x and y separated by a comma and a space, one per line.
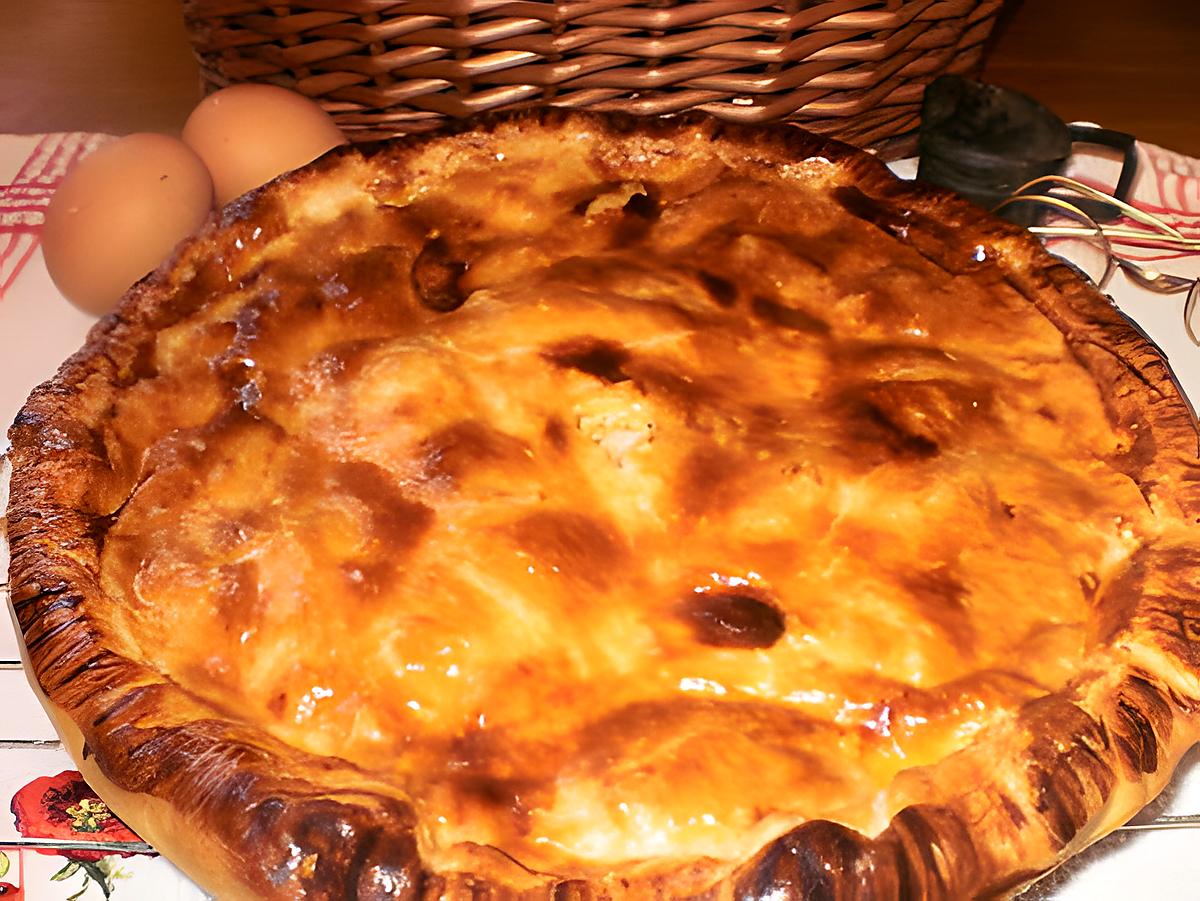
point(1120, 597)
point(435, 277)
point(1058, 797)
point(1068, 770)
point(556, 433)
point(131, 698)
point(141, 365)
point(468, 446)
point(1089, 583)
point(936, 241)
point(935, 410)
point(688, 394)
point(790, 318)
point(601, 359)
point(934, 854)
point(940, 596)
point(340, 363)
point(702, 721)
point(237, 594)
point(381, 266)
point(707, 481)
point(1141, 719)
point(65, 675)
point(581, 546)
point(47, 629)
point(877, 212)
point(637, 219)
point(335, 848)
point(812, 861)
point(732, 619)
point(878, 435)
point(1012, 810)
point(573, 890)
point(397, 522)
point(511, 799)
point(35, 593)
point(642, 205)
point(723, 292)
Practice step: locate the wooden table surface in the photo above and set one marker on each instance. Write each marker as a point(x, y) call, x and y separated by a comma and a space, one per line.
point(124, 65)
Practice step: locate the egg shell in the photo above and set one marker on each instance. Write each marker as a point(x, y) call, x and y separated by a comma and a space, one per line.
point(249, 133)
point(119, 213)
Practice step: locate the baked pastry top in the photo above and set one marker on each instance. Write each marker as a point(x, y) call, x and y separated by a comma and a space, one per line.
point(571, 506)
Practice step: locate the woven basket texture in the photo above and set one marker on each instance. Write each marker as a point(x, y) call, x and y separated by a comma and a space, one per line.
point(855, 69)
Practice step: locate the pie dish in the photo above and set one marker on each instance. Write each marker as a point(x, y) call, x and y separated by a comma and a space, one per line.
point(573, 507)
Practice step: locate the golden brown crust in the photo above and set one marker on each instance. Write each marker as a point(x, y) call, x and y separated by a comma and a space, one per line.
point(280, 822)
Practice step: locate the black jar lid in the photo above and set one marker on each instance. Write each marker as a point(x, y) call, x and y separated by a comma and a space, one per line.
point(984, 141)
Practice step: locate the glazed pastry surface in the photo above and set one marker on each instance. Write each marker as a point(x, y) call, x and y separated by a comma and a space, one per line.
point(591, 510)
point(633, 513)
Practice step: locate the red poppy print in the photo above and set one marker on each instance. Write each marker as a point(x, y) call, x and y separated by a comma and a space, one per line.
point(65, 807)
point(9, 891)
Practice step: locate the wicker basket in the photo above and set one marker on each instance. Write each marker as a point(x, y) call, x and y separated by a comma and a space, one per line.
point(855, 69)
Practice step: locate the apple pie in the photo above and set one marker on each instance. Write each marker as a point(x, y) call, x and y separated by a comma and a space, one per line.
point(574, 507)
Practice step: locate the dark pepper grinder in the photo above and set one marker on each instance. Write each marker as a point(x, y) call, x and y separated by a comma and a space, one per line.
point(985, 142)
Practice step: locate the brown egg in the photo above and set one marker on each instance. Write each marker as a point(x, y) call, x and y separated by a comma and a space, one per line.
point(249, 133)
point(119, 213)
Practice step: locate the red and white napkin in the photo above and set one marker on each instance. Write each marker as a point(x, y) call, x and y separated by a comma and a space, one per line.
point(31, 166)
